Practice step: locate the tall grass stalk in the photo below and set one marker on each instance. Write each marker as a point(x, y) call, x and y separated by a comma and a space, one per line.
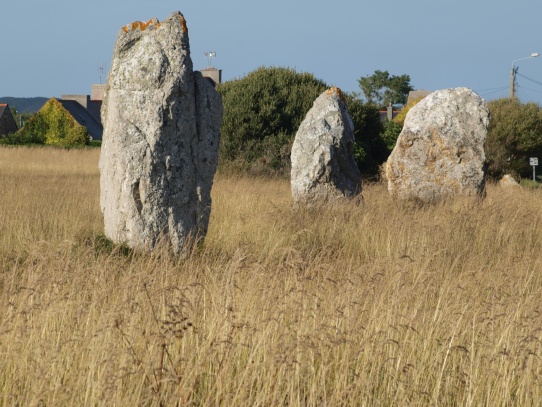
point(378, 304)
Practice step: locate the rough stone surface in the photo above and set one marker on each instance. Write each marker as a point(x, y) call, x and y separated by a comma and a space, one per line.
point(161, 136)
point(323, 164)
point(508, 182)
point(440, 151)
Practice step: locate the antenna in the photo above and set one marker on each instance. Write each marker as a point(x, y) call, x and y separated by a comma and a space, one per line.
point(101, 69)
point(209, 55)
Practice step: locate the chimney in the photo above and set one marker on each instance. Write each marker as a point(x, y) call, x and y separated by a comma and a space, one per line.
point(213, 74)
point(81, 99)
point(97, 92)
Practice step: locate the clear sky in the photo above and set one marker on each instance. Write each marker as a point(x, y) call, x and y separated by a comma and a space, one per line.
point(55, 47)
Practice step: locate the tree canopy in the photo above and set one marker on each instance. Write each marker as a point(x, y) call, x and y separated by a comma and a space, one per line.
point(370, 148)
point(262, 112)
point(514, 135)
point(381, 88)
point(264, 109)
point(52, 124)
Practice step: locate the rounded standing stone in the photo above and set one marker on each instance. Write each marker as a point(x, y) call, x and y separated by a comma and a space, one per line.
point(440, 151)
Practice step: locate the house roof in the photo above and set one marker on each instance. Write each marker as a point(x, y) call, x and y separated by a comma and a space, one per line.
point(7, 122)
point(84, 118)
point(3, 106)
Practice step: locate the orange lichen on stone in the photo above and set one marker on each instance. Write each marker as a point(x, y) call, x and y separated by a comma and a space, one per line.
point(336, 91)
point(141, 25)
point(183, 22)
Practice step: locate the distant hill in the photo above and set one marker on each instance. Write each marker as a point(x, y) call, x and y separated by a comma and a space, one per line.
point(24, 105)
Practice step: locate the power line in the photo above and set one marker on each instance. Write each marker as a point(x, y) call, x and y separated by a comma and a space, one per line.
point(483, 94)
point(532, 98)
point(522, 95)
point(500, 88)
point(531, 89)
point(529, 79)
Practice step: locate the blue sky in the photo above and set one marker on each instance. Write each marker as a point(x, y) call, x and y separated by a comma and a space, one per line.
point(56, 47)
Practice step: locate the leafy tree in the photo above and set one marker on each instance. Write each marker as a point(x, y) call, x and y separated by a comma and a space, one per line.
point(390, 134)
point(381, 88)
point(370, 149)
point(267, 103)
point(263, 111)
point(54, 125)
point(514, 135)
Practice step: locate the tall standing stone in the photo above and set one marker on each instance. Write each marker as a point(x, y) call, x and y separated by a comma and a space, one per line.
point(440, 151)
point(323, 165)
point(161, 136)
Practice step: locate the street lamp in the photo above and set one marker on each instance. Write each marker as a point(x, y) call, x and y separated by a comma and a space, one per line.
point(514, 71)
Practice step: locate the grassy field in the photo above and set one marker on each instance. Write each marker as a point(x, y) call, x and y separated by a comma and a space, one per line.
point(381, 304)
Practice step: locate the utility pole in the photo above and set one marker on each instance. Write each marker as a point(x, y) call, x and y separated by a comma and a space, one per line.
point(513, 82)
point(514, 71)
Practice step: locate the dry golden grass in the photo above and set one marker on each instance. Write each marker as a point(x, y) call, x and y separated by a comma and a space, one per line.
point(378, 304)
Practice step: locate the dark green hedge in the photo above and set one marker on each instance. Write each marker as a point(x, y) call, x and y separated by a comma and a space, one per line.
point(263, 110)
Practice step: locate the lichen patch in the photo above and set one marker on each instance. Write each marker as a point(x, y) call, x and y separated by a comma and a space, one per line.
point(183, 23)
point(335, 91)
point(153, 23)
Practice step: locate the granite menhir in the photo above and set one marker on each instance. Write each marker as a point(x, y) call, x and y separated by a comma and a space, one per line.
point(324, 168)
point(161, 137)
point(440, 151)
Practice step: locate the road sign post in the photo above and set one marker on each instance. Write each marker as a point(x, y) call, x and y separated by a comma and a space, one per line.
point(533, 161)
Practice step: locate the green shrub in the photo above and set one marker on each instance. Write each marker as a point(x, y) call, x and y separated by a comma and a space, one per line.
point(95, 143)
point(390, 134)
point(369, 149)
point(264, 109)
point(54, 125)
point(21, 139)
point(529, 183)
point(268, 103)
point(514, 135)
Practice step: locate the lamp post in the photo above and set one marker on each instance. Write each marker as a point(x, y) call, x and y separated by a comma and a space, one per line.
point(514, 71)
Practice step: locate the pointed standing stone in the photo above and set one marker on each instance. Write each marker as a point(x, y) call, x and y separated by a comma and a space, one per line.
point(161, 136)
point(323, 165)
